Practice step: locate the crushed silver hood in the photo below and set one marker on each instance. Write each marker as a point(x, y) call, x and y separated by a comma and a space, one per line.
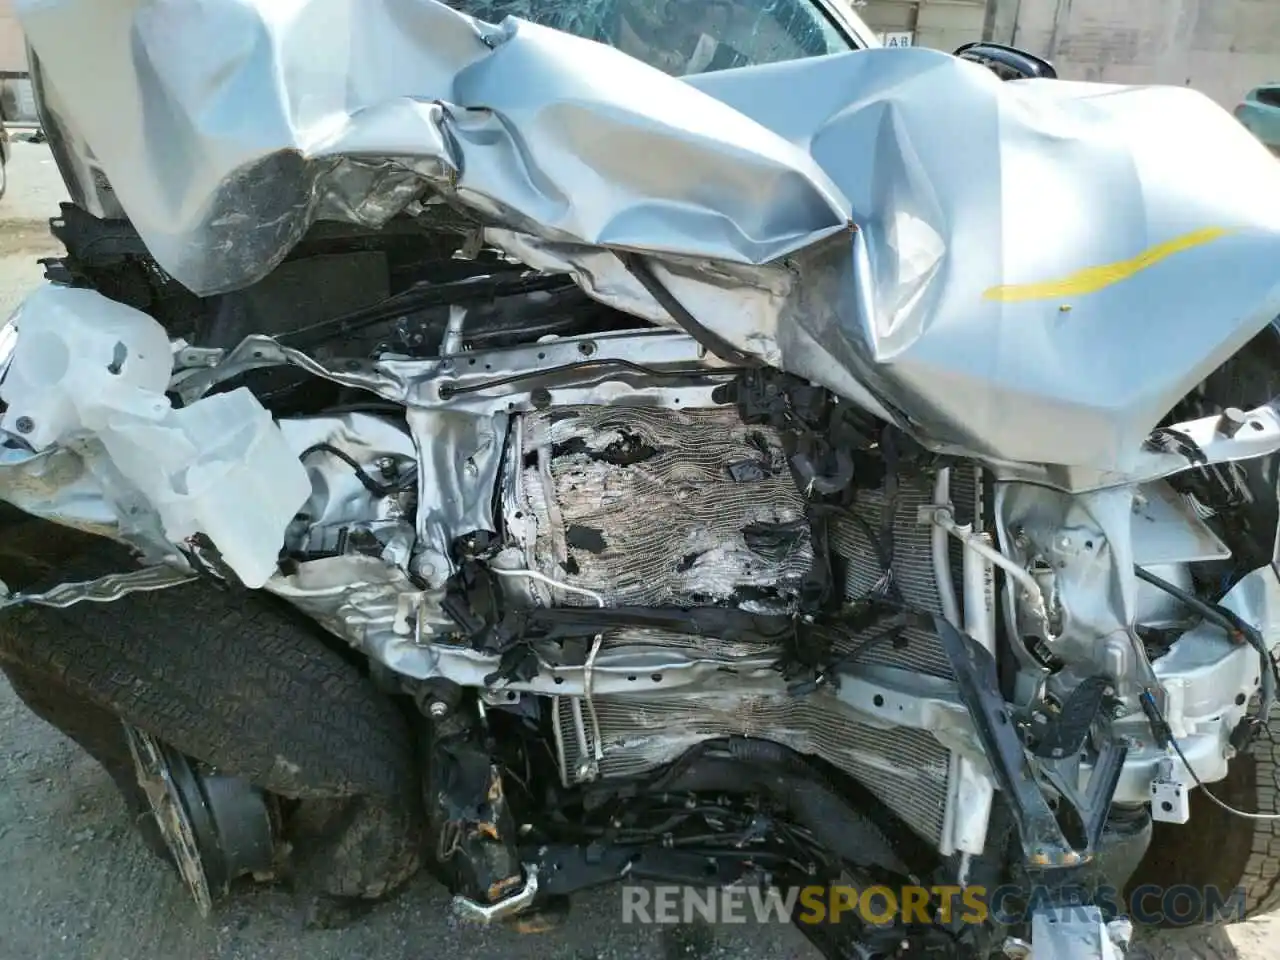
point(1031, 271)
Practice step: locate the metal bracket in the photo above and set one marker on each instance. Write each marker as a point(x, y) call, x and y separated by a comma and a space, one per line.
point(1170, 798)
point(1076, 933)
point(1092, 804)
point(1065, 734)
point(518, 902)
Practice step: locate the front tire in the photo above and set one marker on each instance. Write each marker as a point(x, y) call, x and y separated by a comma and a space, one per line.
point(245, 685)
point(1216, 849)
point(1220, 851)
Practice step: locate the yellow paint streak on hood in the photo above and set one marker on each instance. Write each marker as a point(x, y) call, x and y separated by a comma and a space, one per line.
point(1093, 279)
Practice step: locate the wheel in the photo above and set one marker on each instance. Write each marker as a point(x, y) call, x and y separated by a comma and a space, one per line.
point(244, 685)
point(1216, 850)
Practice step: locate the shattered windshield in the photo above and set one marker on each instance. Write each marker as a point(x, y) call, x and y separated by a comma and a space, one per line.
point(684, 36)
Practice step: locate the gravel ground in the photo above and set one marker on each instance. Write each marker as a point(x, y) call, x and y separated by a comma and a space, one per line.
point(78, 883)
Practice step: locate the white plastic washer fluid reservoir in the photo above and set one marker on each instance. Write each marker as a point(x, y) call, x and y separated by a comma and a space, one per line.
point(220, 466)
point(81, 358)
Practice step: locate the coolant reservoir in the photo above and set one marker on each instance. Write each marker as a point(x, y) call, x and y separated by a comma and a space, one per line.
point(84, 364)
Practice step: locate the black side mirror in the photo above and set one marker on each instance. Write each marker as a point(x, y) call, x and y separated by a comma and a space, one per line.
point(1008, 63)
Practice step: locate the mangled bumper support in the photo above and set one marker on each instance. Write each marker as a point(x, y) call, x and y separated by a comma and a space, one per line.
point(1019, 771)
point(469, 817)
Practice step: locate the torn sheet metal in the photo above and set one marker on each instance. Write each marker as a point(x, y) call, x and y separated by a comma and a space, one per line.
point(78, 487)
point(460, 461)
point(372, 605)
point(102, 590)
point(974, 295)
point(256, 352)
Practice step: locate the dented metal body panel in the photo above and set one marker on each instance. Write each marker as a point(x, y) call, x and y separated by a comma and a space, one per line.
point(763, 459)
point(893, 222)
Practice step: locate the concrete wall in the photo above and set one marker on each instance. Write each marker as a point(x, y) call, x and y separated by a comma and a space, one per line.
point(944, 24)
point(1221, 47)
point(13, 55)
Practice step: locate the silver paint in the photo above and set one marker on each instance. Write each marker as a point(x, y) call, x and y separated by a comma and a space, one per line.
point(844, 218)
point(105, 589)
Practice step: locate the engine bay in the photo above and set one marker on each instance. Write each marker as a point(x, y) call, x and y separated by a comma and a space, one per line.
point(585, 474)
point(647, 571)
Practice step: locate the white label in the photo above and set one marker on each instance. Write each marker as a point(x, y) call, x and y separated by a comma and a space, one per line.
point(898, 38)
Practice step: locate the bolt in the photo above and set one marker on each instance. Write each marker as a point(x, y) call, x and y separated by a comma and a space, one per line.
point(438, 709)
point(540, 398)
point(1231, 421)
point(25, 424)
point(1015, 949)
point(387, 466)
